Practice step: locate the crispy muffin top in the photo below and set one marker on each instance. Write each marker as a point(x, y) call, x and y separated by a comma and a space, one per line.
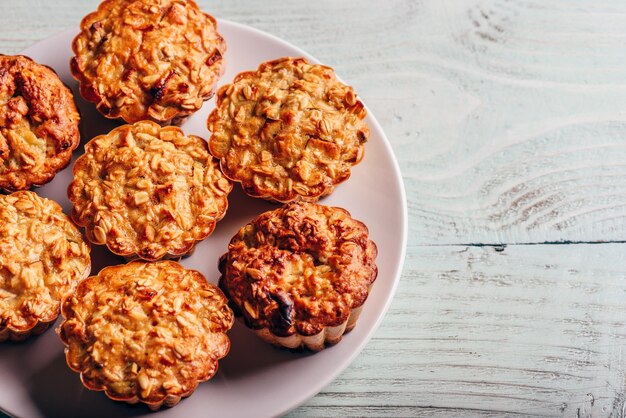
point(148, 59)
point(38, 123)
point(145, 331)
point(42, 257)
point(298, 269)
point(148, 191)
point(287, 131)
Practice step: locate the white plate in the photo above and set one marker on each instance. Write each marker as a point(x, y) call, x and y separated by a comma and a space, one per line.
point(255, 379)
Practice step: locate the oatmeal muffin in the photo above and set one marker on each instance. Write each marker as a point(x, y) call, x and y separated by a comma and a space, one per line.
point(299, 275)
point(148, 59)
point(38, 123)
point(148, 191)
point(145, 332)
point(42, 257)
point(288, 131)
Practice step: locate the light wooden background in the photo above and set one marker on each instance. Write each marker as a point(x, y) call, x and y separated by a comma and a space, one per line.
point(508, 118)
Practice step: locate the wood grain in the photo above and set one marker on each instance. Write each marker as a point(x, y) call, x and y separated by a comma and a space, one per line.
point(532, 330)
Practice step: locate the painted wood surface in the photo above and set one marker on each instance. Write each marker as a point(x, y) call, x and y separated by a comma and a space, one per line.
point(531, 330)
point(508, 118)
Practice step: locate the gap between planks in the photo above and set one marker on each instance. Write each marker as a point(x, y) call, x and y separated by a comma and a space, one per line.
point(501, 247)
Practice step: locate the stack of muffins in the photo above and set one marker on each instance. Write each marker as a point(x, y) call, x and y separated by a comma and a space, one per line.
point(150, 330)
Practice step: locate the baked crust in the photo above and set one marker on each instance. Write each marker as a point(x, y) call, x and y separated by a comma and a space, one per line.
point(38, 123)
point(288, 131)
point(300, 274)
point(148, 191)
point(148, 59)
point(145, 332)
point(42, 257)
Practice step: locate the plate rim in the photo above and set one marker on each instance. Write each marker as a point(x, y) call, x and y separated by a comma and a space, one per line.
point(345, 362)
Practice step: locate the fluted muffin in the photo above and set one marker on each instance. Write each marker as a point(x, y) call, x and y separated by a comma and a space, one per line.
point(145, 332)
point(42, 257)
point(148, 59)
point(299, 275)
point(147, 191)
point(288, 131)
point(38, 123)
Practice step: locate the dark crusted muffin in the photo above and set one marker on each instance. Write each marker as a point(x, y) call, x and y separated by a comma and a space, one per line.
point(145, 332)
point(42, 257)
point(148, 191)
point(299, 275)
point(38, 123)
point(288, 131)
point(148, 59)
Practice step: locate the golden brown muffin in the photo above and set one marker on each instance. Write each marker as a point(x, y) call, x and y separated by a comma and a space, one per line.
point(38, 123)
point(148, 59)
point(288, 131)
point(299, 275)
point(148, 191)
point(42, 257)
point(145, 332)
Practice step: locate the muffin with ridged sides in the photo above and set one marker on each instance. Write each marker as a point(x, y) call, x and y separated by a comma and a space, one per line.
point(145, 332)
point(42, 257)
point(147, 191)
point(148, 59)
point(299, 275)
point(288, 131)
point(38, 123)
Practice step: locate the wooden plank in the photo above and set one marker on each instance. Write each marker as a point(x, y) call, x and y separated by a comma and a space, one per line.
point(530, 330)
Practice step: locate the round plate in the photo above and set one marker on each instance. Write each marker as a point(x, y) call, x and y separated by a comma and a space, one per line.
point(255, 379)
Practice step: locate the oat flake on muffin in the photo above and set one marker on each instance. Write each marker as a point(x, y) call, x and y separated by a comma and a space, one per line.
point(148, 191)
point(299, 275)
point(148, 59)
point(38, 123)
point(288, 131)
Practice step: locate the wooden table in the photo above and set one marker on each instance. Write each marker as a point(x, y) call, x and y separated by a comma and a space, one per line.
point(508, 119)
